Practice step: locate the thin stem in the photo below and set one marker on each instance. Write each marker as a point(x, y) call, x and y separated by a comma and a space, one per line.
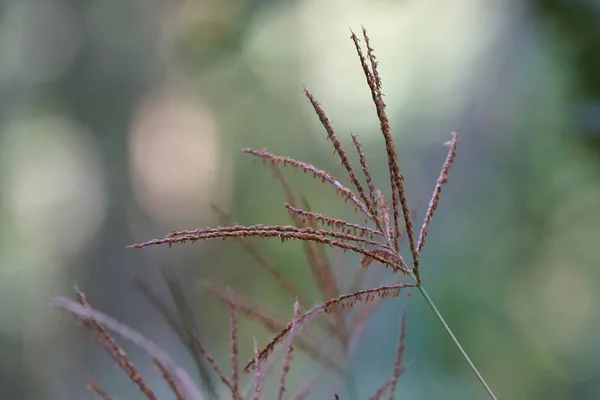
point(352, 390)
point(455, 340)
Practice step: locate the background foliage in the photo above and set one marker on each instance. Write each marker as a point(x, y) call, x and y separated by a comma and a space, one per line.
point(122, 120)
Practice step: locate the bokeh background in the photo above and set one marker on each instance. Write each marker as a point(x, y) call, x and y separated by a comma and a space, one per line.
point(122, 120)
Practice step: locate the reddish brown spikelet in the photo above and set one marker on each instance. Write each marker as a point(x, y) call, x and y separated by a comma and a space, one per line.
point(435, 197)
point(169, 379)
point(367, 173)
point(264, 231)
point(398, 369)
point(385, 130)
point(364, 295)
point(90, 315)
point(339, 149)
point(258, 376)
point(372, 60)
point(349, 299)
point(287, 361)
point(385, 214)
point(233, 340)
point(115, 351)
point(283, 233)
point(95, 386)
point(384, 253)
point(345, 192)
point(341, 224)
point(396, 177)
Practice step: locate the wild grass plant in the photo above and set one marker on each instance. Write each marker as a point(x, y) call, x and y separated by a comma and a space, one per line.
point(386, 225)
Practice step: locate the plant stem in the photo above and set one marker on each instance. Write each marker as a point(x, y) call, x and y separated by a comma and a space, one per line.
point(352, 390)
point(455, 340)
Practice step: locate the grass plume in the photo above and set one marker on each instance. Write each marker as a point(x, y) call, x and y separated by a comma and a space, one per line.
point(377, 240)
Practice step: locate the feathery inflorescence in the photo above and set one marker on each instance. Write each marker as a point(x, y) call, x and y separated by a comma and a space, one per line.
point(377, 240)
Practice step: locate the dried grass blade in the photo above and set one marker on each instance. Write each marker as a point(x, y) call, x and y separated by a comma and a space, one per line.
point(394, 170)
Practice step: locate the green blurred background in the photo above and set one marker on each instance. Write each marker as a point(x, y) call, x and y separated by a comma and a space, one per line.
point(123, 120)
